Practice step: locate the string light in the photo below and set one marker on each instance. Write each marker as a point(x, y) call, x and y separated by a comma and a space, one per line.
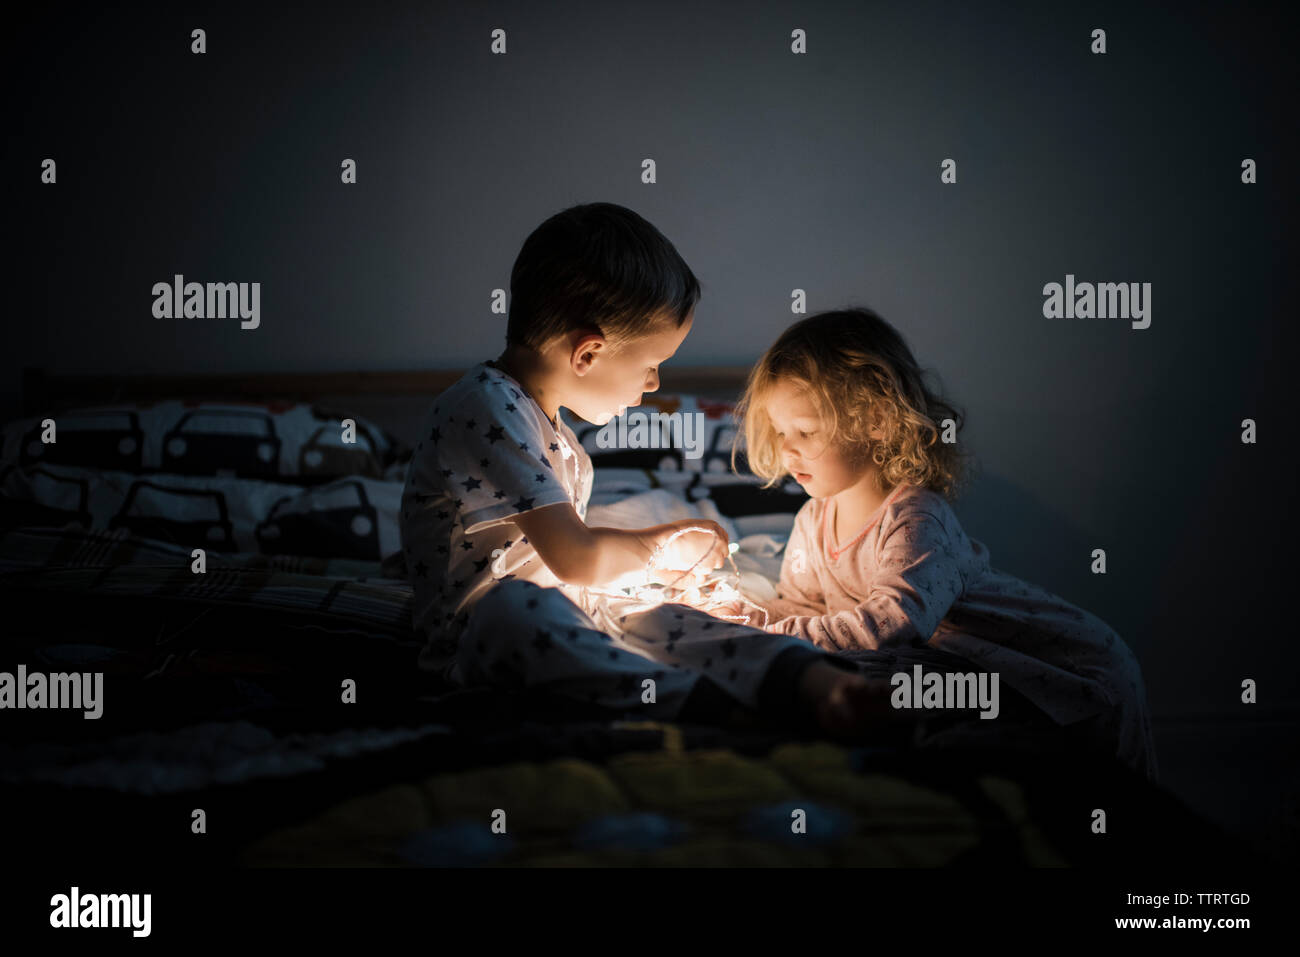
point(721, 593)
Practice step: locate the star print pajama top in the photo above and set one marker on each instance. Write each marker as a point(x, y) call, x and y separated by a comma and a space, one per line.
point(492, 612)
point(912, 577)
point(489, 453)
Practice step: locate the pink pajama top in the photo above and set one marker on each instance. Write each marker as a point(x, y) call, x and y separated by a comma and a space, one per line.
point(912, 576)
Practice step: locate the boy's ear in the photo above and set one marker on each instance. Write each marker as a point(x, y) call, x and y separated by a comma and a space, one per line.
point(586, 347)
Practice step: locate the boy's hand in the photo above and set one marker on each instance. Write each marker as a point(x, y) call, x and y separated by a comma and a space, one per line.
point(676, 556)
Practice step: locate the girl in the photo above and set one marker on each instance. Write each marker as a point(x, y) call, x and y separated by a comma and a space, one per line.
point(877, 558)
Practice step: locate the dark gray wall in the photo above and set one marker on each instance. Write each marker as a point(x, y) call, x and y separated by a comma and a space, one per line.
point(775, 171)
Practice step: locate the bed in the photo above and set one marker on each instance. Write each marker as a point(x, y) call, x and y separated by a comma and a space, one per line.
point(225, 692)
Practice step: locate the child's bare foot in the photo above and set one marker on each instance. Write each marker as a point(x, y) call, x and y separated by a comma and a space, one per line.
point(847, 705)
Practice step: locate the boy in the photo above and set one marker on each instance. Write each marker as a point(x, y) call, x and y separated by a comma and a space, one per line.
point(492, 527)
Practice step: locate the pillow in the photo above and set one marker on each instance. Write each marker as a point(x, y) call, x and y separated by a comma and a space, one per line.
point(350, 517)
point(285, 441)
point(641, 443)
point(667, 433)
point(744, 495)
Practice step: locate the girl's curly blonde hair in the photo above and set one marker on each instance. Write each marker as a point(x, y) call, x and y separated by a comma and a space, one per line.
point(862, 377)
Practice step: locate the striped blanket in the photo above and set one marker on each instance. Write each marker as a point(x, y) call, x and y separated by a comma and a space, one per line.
point(335, 593)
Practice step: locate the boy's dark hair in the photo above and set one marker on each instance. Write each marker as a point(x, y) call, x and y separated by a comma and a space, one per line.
point(596, 265)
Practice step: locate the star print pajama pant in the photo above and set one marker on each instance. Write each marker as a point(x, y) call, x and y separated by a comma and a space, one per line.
point(522, 636)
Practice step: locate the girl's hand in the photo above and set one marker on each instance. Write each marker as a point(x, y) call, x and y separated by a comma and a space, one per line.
point(773, 626)
point(734, 609)
point(676, 550)
point(737, 609)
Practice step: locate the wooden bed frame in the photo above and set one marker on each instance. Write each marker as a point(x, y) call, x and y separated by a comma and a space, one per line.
point(43, 389)
point(397, 400)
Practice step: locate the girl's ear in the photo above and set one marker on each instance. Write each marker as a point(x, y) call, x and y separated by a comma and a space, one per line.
point(876, 433)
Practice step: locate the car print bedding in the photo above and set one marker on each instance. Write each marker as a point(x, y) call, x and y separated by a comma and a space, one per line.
point(278, 689)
